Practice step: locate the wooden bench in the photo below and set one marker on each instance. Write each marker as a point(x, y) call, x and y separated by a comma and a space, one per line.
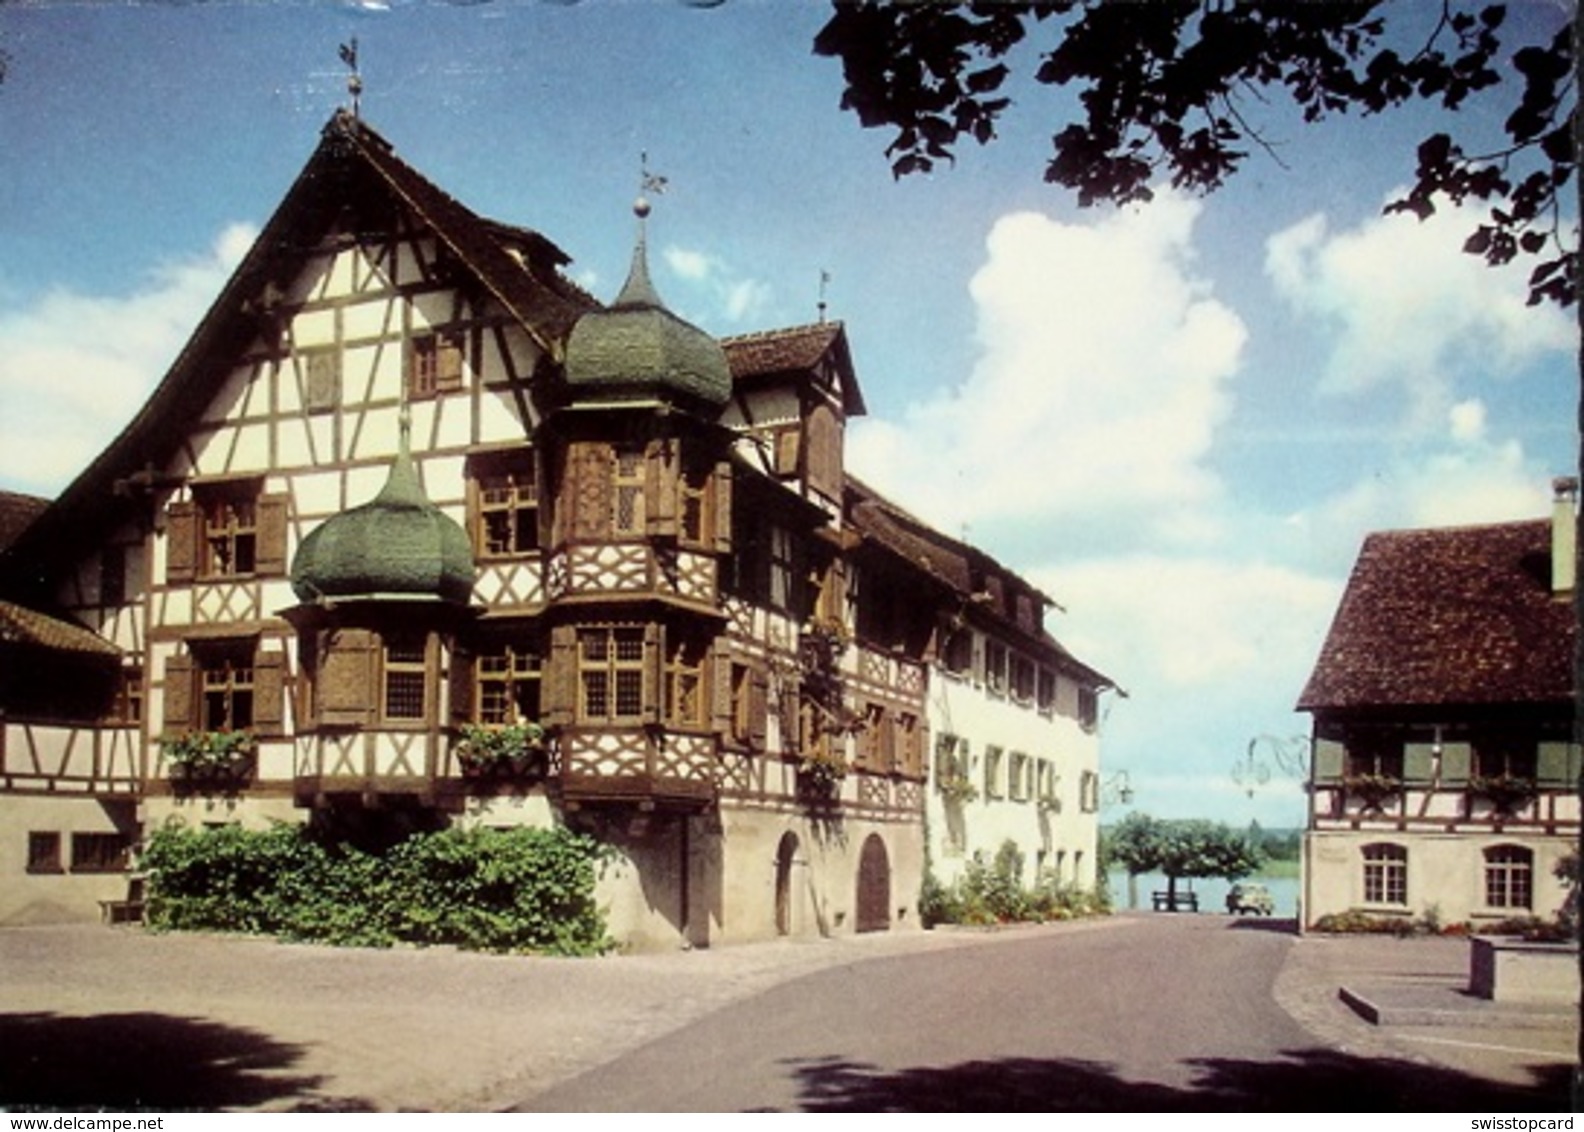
point(1178, 902)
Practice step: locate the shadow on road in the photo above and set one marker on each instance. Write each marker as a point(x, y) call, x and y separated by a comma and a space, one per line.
point(148, 1061)
point(1280, 926)
point(1304, 1081)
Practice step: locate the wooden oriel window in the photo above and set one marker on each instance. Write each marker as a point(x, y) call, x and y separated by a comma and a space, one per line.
point(629, 479)
point(406, 678)
point(684, 683)
point(610, 663)
point(434, 364)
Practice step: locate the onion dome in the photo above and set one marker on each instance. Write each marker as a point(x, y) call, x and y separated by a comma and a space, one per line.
point(636, 348)
point(398, 546)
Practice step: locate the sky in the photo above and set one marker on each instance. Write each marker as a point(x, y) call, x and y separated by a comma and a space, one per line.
point(1179, 420)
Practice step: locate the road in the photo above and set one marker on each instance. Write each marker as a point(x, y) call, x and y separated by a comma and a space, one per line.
point(1174, 1013)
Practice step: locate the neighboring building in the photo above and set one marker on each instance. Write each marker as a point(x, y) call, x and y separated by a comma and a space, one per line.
point(407, 482)
point(1444, 776)
point(1013, 715)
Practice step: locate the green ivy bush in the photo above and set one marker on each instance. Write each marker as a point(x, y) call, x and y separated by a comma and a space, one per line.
point(518, 890)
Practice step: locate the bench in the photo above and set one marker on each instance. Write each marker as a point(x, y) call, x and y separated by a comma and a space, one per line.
point(1179, 902)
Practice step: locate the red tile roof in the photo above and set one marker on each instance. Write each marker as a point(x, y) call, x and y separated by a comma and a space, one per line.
point(19, 625)
point(17, 512)
point(1455, 616)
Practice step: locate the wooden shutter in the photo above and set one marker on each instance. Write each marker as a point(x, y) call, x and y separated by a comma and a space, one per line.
point(758, 706)
point(1556, 766)
point(722, 510)
point(1418, 763)
point(271, 550)
point(653, 657)
point(663, 484)
point(348, 678)
point(459, 692)
point(560, 680)
point(1456, 763)
point(179, 700)
point(786, 452)
point(181, 542)
point(592, 491)
point(722, 707)
point(1328, 759)
point(269, 692)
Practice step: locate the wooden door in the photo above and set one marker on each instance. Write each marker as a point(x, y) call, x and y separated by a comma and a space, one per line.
point(874, 886)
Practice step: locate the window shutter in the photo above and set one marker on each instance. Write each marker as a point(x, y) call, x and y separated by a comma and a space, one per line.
point(560, 678)
point(178, 695)
point(918, 743)
point(1327, 769)
point(348, 678)
point(758, 707)
point(1556, 765)
point(723, 507)
point(271, 553)
point(181, 542)
point(786, 454)
point(269, 692)
point(721, 705)
point(662, 483)
point(460, 685)
point(652, 655)
point(1418, 763)
point(1456, 761)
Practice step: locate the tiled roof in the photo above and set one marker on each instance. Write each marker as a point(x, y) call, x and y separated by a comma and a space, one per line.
point(962, 569)
point(17, 512)
point(19, 625)
point(794, 349)
point(1457, 616)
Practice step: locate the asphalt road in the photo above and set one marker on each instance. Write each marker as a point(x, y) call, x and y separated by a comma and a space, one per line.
point(1173, 1014)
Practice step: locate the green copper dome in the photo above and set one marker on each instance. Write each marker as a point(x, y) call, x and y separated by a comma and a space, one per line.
point(637, 348)
point(398, 545)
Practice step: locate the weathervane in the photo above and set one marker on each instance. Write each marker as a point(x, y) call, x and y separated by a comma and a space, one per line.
point(349, 56)
point(647, 183)
point(825, 278)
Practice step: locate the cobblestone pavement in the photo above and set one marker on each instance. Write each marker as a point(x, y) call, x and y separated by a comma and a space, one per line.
point(117, 1017)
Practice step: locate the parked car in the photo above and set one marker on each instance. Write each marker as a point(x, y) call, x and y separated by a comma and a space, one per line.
point(1250, 899)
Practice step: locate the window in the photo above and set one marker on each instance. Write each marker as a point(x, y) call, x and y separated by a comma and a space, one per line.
point(434, 364)
point(1385, 874)
point(876, 741)
point(1088, 708)
point(1089, 792)
point(1375, 753)
point(629, 476)
point(693, 502)
point(225, 686)
point(996, 668)
point(508, 509)
point(406, 678)
point(1018, 777)
point(1503, 755)
point(1509, 877)
point(1045, 691)
point(322, 369)
point(957, 655)
point(992, 772)
point(127, 706)
point(742, 725)
point(228, 516)
point(610, 674)
point(99, 852)
point(507, 682)
point(781, 567)
point(1022, 679)
point(44, 852)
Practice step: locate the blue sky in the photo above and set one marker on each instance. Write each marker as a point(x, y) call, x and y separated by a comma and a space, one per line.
point(1179, 419)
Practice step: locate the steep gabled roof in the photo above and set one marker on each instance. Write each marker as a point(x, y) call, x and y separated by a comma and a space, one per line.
point(980, 582)
point(352, 166)
point(17, 512)
point(793, 350)
point(1455, 616)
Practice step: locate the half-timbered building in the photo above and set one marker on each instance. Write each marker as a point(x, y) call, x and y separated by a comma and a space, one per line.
point(415, 532)
point(1444, 777)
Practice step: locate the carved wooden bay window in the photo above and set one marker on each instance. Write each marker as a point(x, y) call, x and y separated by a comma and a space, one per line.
point(229, 529)
point(364, 678)
point(657, 489)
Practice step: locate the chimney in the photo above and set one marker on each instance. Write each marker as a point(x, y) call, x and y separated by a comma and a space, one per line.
point(1564, 534)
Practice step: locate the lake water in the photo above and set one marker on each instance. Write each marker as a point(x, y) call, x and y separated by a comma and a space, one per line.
point(1212, 891)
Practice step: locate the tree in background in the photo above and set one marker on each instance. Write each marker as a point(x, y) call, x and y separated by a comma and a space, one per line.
point(1184, 848)
point(1163, 89)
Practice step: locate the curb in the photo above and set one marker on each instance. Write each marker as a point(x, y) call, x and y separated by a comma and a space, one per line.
point(1474, 1017)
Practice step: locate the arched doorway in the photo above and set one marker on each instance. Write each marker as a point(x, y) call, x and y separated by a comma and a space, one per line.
point(874, 886)
point(786, 852)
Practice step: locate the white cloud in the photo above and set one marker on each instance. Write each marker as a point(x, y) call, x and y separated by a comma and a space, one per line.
point(1103, 375)
point(1409, 308)
point(74, 368)
point(733, 299)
